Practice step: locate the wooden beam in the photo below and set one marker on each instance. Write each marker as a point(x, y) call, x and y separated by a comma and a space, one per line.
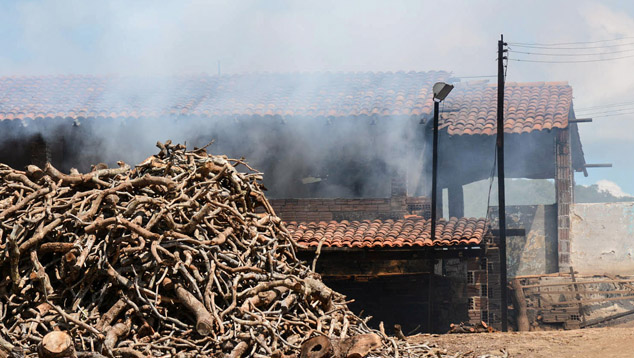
point(596, 321)
point(520, 302)
point(592, 300)
point(602, 165)
point(510, 232)
point(580, 120)
point(580, 292)
point(612, 277)
point(578, 296)
point(554, 284)
point(556, 274)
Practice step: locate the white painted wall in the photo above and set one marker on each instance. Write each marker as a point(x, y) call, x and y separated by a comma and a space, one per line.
point(602, 238)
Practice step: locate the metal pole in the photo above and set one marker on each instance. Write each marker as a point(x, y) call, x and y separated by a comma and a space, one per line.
point(502, 203)
point(434, 171)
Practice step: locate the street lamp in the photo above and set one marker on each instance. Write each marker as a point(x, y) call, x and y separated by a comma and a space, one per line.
point(441, 90)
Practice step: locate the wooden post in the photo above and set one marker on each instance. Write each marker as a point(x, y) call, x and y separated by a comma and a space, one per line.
point(520, 306)
point(429, 305)
point(577, 296)
point(502, 203)
point(434, 173)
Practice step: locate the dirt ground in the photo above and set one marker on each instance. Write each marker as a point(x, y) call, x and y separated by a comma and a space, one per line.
point(613, 342)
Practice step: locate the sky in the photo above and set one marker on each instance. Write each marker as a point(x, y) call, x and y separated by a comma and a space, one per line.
point(174, 37)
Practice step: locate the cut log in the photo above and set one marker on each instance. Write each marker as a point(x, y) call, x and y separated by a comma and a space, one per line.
point(363, 344)
point(317, 347)
point(204, 319)
point(57, 344)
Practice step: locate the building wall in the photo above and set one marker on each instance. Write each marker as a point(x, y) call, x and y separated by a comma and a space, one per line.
point(473, 293)
point(602, 238)
point(534, 253)
point(350, 209)
point(418, 291)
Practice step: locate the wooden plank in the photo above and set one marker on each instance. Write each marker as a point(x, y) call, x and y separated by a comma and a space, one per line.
point(581, 292)
point(563, 303)
point(553, 284)
point(510, 232)
point(596, 321)
point(562, 310)
point(577, 296)
point(556, 274)
point(611, 277)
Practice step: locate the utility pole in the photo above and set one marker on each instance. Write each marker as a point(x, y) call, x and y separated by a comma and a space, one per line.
point(434, 171)
point(501, 198)
point(441, 90)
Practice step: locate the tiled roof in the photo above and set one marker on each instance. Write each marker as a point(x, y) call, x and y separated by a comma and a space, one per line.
point(535, 106)
point(389, 233)
point(285, 95)
point(469, 109)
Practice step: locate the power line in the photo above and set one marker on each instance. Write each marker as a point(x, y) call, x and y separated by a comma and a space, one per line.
point(612, 115)
point(570, 54)
point(620, 104)
point(572, 48)
point(571, 43)
point(571, 61)
point(604, 111)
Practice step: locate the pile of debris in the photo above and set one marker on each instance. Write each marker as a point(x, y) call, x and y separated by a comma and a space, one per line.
point(467, 327)
point(180, 256)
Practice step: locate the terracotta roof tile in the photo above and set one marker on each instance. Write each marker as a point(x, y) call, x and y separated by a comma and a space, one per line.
point(413, 231)
point(529, 106)
point(532, 106)
point(293, 94)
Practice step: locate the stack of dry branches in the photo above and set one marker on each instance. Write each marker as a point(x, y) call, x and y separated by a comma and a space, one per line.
point(180, 256)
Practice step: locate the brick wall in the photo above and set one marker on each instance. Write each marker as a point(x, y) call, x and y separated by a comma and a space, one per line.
point(483, 288)
point(350, 209)
point(563, 186)
point(494, 309)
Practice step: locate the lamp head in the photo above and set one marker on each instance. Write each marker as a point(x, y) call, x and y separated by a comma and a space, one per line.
point(441, 90)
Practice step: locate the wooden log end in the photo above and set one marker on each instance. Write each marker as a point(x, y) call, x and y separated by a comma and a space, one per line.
point(316, 347)
point(204, 326)
point(56, 344)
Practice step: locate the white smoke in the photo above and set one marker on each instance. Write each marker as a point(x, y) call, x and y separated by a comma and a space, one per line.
point(611, 188)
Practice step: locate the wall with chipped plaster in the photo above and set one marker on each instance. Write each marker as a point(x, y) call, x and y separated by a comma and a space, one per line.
point(535, 253)
point(602, 238)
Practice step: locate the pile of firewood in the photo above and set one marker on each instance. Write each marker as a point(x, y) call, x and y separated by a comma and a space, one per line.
point(180, 256)
point(466, 327)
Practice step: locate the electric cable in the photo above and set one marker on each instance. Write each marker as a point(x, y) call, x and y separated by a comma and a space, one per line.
point(571, 61)
point(571, 48)
point(571, 43)
point(620, 104)
point(571, 54)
